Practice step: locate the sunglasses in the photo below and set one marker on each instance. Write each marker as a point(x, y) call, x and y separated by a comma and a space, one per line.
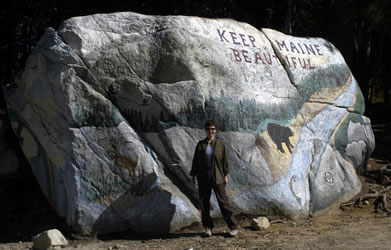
point(210, 129)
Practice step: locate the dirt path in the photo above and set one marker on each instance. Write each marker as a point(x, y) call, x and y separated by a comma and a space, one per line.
point(359, 228)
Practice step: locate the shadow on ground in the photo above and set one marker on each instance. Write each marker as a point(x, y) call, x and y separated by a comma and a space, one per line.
point(24, 210)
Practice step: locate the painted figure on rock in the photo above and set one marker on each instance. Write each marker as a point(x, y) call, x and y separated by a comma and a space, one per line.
point(279, 135)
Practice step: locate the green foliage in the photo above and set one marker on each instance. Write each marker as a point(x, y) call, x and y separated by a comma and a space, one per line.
point(341, 136)
point(99, 116)
point(233, 114)
point(250, 116)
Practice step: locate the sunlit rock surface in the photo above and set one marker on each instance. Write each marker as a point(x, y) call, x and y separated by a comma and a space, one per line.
point(110, 108)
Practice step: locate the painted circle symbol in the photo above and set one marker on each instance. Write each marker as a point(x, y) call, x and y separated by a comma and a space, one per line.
point(329, 178)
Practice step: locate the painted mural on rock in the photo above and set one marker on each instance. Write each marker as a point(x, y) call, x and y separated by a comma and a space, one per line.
point(116, 103)
point(49, 177)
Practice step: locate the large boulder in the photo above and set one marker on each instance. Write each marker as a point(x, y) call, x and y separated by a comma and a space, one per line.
point(109, 109)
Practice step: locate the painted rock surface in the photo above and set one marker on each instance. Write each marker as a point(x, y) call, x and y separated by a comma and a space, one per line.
point(109, 109)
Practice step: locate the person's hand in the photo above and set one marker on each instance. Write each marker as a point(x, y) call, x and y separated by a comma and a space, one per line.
point(193, 180)
point(225, 180)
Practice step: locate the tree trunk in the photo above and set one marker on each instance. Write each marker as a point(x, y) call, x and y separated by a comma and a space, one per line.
point(289, 22)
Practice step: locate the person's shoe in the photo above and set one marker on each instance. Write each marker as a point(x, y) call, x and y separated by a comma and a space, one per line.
point(208, 232)
point(233, 232)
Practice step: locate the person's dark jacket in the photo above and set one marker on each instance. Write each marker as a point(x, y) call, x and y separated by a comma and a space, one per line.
point(199, 166)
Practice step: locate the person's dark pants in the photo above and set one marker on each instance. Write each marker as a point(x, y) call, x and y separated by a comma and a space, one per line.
point(205, 191)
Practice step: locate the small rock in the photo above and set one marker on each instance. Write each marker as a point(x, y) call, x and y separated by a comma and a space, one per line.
point(49, 239)
point(366, 203)
point(260, 223)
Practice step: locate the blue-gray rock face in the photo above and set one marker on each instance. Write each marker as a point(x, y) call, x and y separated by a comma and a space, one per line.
point(110, 107)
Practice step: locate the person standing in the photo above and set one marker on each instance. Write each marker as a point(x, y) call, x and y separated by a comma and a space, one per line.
point(210, 167)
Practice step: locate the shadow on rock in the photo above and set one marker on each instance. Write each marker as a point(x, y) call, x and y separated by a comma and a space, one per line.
point(135, 216)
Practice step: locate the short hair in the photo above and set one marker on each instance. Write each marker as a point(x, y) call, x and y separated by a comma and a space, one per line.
point(210, 123)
